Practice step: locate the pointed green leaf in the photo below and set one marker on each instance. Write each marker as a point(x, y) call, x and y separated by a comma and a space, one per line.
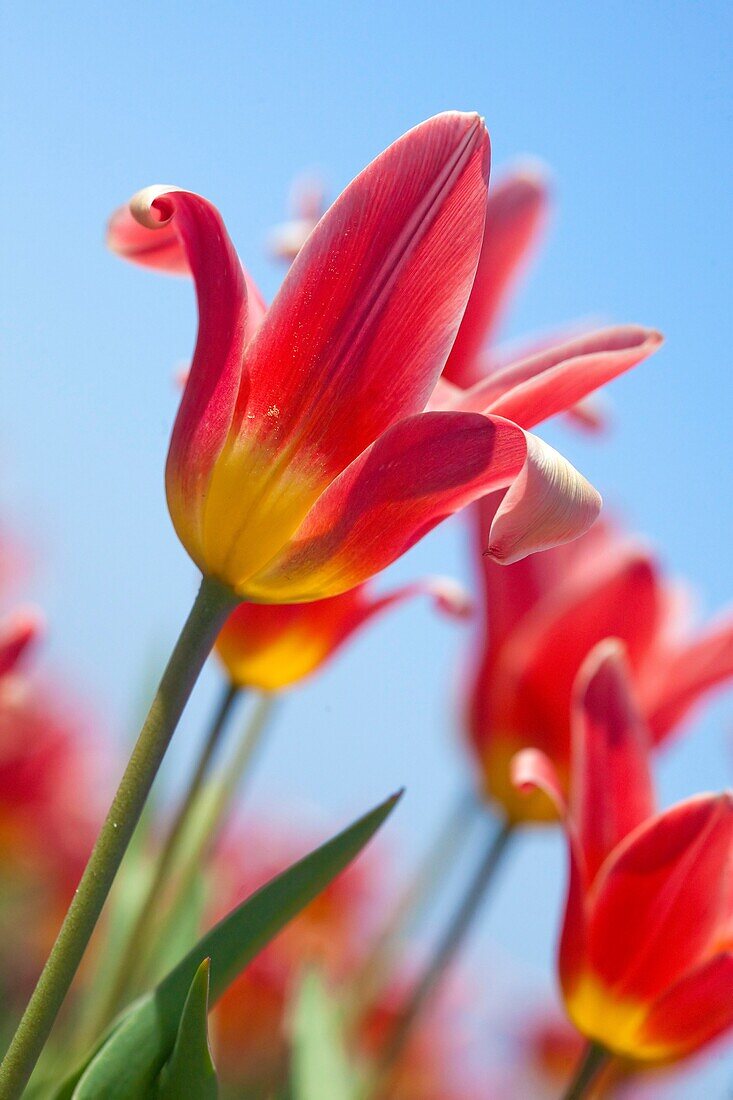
point(321, 1069)
point(190, 1070)
point(127, 1065)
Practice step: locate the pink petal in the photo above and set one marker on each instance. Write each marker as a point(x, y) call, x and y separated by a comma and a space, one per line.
point(554, 380)
point(694, 1011)
point(611, 786)
point(533, 770)
point(549, 503)
point(361, 327)
point(661, 901)
point(515, 212)
point(419, 472)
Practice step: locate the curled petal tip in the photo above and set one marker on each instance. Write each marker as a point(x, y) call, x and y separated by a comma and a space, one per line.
point(144, 209)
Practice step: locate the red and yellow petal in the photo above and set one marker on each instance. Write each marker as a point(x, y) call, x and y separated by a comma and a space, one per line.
point(660, 903)
point(692, 1013)
point(272, 647)
point(515, 214)
point(419, 472)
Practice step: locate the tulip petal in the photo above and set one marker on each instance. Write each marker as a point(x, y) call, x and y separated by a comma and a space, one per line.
point(611, 788)
point(548, 504)
point(531, 771)
point(554, 380)
point(17, 633)
point(164, 251)
point(535, 668)
point(273, 646)
point(208, 402)
point(362, 325)
point(660, 902)
point(694, 1011)
point(419, 472)
point(515, 213)
point(678, 681)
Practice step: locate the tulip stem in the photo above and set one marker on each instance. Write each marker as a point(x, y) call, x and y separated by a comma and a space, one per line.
point(133, 955)
point(211, 607)
point(447, 948)
point(411, 904)
point(592, 1061)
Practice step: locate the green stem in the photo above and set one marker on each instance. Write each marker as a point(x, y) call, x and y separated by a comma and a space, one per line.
point(212, 605)
point(128, 964)
point(207, 826)
point(593, 1060)
point(410, 906)
point(446, 950)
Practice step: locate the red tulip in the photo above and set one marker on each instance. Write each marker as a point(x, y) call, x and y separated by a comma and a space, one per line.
point(541, 617)
point(302, 461)
point(272, 647)
point(646, 953)
point(18, 632)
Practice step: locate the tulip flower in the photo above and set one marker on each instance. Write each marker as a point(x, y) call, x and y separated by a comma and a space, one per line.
point(646, 953)
point(541, 618)
point(271, 647)
point(302, 460)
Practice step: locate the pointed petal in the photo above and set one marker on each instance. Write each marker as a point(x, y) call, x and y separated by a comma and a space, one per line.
point(360, 329)
point(611, 788)
point(660, 902)
point(532, 770)
point(164, 251)
point(676, 682)
point(207, 406)
point(693, 1012)
point(554, 380)
point(273, 646)
point(419, 472)
point(515, 213)
point(17, 633)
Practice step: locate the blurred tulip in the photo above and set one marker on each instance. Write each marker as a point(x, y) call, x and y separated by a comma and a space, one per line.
point(49, 811)
point(301, 461)
point(307, 203)
point(250, 1022)
point(272, 647)
point(542, 616)
point(646, 952)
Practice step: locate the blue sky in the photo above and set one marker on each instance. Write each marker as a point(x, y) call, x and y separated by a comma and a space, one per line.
point(629, 105)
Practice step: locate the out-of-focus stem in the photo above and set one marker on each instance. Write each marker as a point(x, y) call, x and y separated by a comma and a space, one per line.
point(211, 607)
point(593, 1060)
point(445, 952)
point(430, 873)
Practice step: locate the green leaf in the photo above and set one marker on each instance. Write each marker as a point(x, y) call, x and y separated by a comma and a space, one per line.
point(190, 1071)
point(321, 1069)
point(127, 1065)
